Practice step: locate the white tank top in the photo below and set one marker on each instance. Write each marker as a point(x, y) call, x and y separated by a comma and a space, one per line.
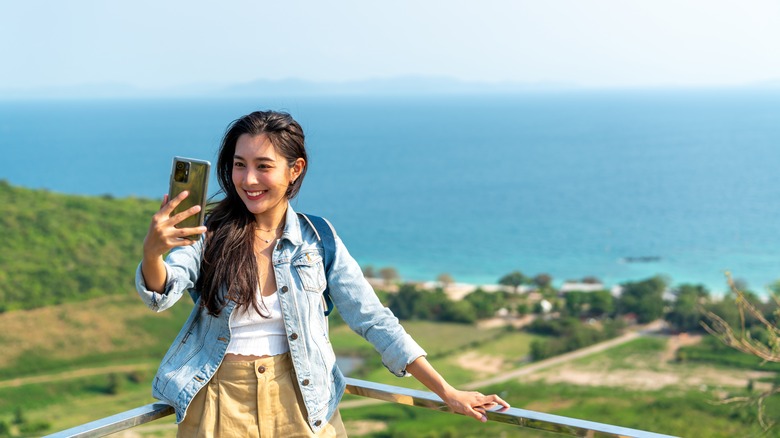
point(253, 335)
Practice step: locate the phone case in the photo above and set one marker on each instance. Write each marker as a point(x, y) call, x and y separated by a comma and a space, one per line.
point(191, 175)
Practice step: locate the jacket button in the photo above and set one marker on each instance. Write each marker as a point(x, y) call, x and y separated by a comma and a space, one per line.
point(318, 422)
point(261, 369)
point(305, 382)
point(294, 336)
point(279, 246)
point(285, 289)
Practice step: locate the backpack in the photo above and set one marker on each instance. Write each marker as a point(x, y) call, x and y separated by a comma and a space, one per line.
point(325, 235)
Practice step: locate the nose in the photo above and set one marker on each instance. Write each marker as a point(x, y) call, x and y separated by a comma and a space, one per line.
point(250, 178)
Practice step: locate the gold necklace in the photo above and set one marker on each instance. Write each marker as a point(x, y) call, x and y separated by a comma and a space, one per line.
point(276, 230)
point(272, 229)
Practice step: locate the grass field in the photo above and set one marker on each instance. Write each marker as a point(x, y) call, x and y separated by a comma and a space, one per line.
point(101, 331)
point(114, 371)
point(679, 407)
point(689, 415)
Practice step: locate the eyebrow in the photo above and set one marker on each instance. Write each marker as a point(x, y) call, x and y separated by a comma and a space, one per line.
point(254, 159)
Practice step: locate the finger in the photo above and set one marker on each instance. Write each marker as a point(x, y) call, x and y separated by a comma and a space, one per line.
point(178, 217)
point(168, 208)
point(175, 234)
point(183, 232)
point(164, 201)
point(477, 415)
point(181, 242)
point(495, 407)
point(494, 400)
point(467, 410)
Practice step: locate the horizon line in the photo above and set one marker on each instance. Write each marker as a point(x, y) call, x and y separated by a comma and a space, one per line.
point(377, 86)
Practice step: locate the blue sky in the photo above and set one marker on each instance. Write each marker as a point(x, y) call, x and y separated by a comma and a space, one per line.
point(601, 43)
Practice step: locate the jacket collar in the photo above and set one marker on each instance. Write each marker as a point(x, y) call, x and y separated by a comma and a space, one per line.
point(292, 227)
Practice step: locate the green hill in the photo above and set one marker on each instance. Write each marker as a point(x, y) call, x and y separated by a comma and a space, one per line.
point(58, 248)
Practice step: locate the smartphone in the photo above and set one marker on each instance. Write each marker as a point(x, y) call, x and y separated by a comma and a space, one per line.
point(193, 176)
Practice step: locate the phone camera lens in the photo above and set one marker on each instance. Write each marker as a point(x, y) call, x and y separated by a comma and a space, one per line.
point(180, 165)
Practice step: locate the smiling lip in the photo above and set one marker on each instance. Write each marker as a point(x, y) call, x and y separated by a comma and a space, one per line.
point(255, 195)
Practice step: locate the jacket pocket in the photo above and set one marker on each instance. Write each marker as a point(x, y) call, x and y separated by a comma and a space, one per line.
point(327, 359)
point(186, 348)
point(311, 271)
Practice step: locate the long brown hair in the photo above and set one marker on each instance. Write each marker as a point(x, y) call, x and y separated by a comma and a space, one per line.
point(228, 258)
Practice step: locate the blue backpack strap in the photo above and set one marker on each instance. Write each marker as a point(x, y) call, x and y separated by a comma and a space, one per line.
point(325, 235)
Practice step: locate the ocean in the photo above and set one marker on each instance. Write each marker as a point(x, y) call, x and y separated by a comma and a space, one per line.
point(619, 185)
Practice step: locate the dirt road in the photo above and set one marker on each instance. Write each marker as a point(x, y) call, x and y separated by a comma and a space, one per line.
point(542, 364)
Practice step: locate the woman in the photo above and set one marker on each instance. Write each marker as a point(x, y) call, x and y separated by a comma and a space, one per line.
point(254, 354)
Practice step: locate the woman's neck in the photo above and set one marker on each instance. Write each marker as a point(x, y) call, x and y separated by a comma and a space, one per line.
point(272, 219)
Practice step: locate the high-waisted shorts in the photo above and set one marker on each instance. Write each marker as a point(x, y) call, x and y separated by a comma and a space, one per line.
point(257, 398)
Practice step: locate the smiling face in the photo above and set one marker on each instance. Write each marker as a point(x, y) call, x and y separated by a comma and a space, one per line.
point(261, 176)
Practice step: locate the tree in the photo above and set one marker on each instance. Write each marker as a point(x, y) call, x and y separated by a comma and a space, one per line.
point(514, 279)
point(543, 280)
point(576, 302)
point(445, 280)
point(404, 302)
point(368, 271)
point(486, 304)
point(522, 309)
point(591, 280)
point(643, 298)
point(740, 336)
point(774, 288)
point(19, 417)
point(413, 303)
point(115, 384)
point(687, 311)
point(602, 303)
point(458, 311)
point(389, 274)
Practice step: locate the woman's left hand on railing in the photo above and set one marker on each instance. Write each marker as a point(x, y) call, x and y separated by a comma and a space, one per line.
point(473, 404)
point(469, 403)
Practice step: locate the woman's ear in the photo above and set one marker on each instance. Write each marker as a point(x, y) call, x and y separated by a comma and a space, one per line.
point(297, 169)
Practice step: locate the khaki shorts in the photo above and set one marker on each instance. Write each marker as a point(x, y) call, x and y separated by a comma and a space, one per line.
point(253, 399)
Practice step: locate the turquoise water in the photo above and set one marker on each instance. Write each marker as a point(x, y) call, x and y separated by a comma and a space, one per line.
point(475, 186)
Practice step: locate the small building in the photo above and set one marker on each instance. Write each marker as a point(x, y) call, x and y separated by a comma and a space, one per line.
point(580, 287)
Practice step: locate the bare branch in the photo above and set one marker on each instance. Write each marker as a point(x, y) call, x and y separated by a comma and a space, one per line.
point(741, 340)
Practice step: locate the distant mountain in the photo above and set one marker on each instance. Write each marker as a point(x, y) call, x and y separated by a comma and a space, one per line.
point(384, 86)
point(772, 84)
point(88, 91)
point(407, 85)
point(400, 85)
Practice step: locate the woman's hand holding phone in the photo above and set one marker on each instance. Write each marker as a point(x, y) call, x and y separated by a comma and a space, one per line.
point(164, 236)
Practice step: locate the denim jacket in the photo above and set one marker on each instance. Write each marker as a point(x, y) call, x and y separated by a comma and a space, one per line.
point(199, 348)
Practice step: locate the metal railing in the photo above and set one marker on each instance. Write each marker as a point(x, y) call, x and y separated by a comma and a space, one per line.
point(404, 396)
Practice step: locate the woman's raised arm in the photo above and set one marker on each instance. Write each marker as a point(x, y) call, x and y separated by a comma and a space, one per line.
point(164, 236)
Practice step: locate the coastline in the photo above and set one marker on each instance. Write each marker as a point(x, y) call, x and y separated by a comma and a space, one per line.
point(458, 290)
